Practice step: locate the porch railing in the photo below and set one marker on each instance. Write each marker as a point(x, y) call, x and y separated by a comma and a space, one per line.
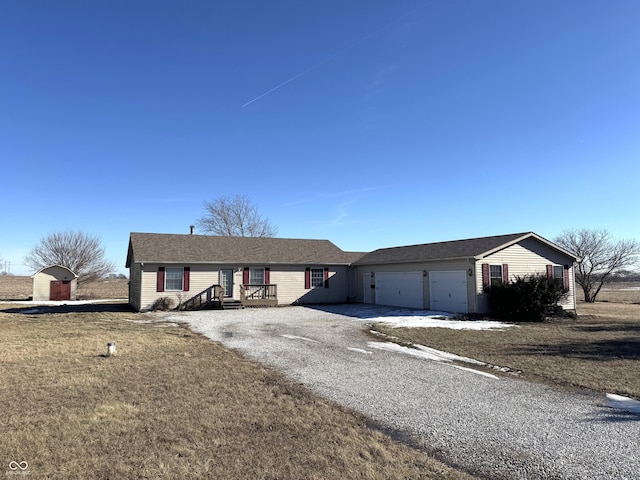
point(211, 297)
point(259, 295)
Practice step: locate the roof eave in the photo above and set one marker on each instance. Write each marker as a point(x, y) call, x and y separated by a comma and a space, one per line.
point(443, 259)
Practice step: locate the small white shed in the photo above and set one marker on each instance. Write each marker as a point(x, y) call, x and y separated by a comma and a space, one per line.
point(54, 283)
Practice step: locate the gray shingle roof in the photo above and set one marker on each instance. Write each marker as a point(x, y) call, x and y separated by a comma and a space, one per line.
point(175, 248)
point(441, 250)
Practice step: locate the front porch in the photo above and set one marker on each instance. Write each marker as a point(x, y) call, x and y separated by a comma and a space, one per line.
point(250, 296)
point(259, 295)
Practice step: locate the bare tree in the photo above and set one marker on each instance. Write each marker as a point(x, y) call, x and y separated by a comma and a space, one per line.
point(235, 216)
point(81, 253)
point(599, 257)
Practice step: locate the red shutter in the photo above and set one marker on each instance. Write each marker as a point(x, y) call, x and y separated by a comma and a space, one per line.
point(267, 275)
point(485, 275)
point(160, 284)
point(245, 276)
point(565, 277)
point(307, 278)
point(549, 271)
point(326, 277)
point(186, 273)
point(505, 273)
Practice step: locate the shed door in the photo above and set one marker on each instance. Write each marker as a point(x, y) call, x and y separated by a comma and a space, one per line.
point(60, 290)
point(448, 291)
point(399, 289)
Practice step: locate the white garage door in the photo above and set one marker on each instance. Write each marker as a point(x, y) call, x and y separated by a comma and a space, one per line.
point(399, 289)
point(448, 291)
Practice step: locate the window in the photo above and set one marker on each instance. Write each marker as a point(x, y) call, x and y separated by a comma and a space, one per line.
point(495, 274)
point(256, 276)
point(558, 274)
point(173, 279)
point(317, 277)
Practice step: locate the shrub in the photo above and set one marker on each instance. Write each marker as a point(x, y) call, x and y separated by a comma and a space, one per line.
point(530, 298)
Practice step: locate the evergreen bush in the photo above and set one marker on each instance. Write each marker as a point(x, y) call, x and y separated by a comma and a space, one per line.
point(529, 298)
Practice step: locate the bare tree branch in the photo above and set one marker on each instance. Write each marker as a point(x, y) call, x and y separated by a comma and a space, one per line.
point(81, 253)
point(234, 216)
point(600, 257)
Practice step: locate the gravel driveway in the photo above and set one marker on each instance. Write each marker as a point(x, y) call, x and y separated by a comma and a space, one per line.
point(500, 428)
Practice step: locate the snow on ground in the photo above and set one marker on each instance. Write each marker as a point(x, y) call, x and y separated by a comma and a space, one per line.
point(58, 303)
point(298, 337)
point(439, 320)
point(422, 352)
point(623, 403)
point(405, 317)
point(432, 354)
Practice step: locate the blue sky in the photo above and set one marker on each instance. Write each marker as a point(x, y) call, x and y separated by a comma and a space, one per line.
point(369, 123)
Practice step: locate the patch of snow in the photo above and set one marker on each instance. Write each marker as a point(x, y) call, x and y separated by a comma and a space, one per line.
point(440, 320)
point(450, 356)
point(477, 372)
point(297, 337)
point(432, 354)
point(359, 350)
point(64, 302)
point(623, 403)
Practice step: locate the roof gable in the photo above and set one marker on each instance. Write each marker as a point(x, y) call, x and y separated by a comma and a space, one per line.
point(476, 248)
point(55, 267)
point(177, 248)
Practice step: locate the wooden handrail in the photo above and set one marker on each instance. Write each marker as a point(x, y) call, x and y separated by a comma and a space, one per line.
point(214, 293)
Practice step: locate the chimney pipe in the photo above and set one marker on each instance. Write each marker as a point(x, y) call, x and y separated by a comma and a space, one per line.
point(191, 229)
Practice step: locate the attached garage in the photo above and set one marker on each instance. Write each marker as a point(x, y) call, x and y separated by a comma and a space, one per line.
point(399, 289)
point(448, 291)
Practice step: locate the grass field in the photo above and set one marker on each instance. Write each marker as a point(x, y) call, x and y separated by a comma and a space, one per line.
point(600, 350)
point(171, 404)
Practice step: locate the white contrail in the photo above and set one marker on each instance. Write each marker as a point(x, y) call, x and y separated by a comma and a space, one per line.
point(313, 67)
point(294, 77)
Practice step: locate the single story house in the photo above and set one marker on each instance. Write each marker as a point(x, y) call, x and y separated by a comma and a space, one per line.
point(444, 276)
point(54, 282)
point(251, 270)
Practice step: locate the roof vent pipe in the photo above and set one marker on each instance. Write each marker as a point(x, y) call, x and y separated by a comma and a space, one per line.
point(191, 227)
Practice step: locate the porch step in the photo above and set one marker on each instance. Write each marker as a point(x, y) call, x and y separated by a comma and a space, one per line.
point(232, 305)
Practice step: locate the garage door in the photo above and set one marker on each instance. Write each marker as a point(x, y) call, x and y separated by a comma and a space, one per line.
point(399, 289)
point(448, 291)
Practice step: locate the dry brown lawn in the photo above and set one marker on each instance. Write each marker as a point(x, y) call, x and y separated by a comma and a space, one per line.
point(171, 404)
point(600, 350)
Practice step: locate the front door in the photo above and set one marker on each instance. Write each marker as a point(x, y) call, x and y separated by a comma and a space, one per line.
point(226, 280)
point(60, 290)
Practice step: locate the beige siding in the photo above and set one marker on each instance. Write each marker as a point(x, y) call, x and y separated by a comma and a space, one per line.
point(291, 283)
point(42, 282)
point(200, 278)
point(289, 279)
point(528, 257)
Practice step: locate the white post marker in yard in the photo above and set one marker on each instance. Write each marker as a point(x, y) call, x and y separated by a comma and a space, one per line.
point(111, 349)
